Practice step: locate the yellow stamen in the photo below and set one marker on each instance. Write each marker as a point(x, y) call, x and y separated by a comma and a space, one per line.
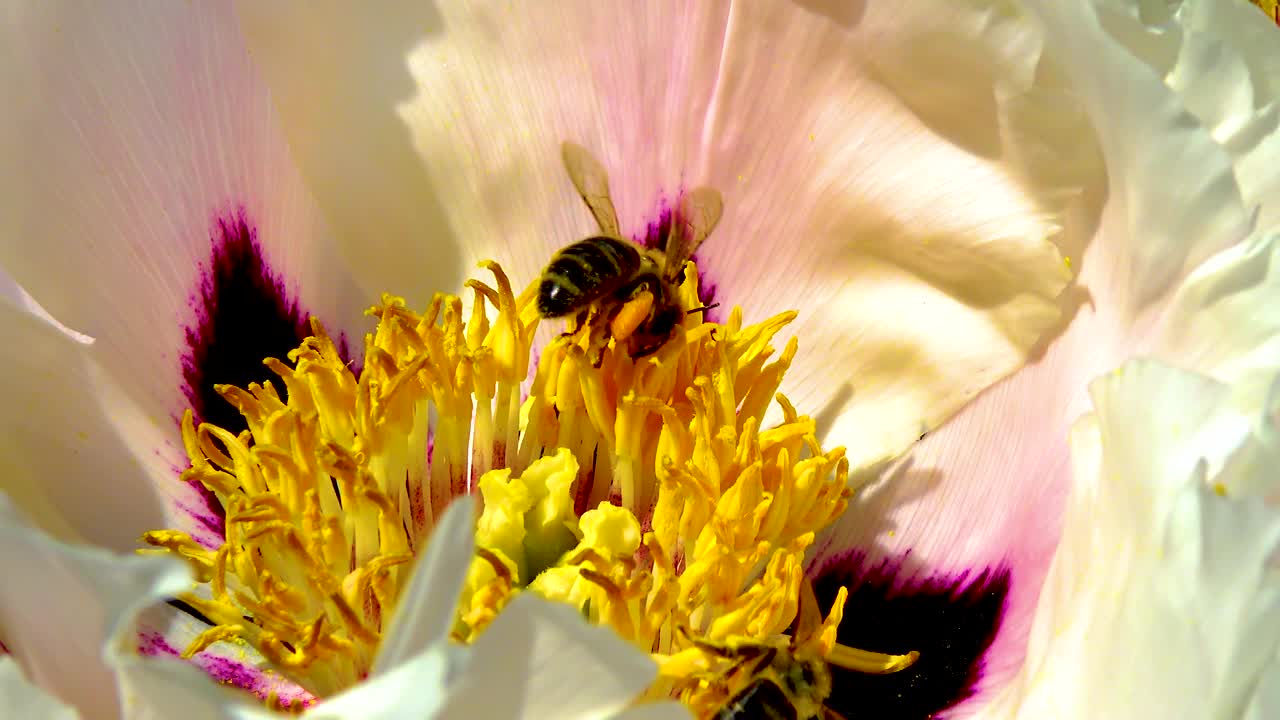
point(870, 662)
point(644, 492)
point(330, 495)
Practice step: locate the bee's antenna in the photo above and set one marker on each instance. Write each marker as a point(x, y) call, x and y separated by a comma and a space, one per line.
point(704, 308)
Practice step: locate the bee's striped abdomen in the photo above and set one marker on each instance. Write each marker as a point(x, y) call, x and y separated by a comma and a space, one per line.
point(585, 272)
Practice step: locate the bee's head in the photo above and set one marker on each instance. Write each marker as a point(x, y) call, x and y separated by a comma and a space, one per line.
point(555, 299)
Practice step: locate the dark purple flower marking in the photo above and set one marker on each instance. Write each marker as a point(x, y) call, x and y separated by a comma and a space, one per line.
point(660, 228)
point(244, 313)
point(950, 620)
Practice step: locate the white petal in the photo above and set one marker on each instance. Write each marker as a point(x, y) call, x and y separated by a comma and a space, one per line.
point(70, 604)
point(24, 700)
point(130, 131)
point(1266, 699)
point(417, 688)
point(1160, 601)
point(428, 606)
point(1172, 190)
point(1225, 319)
point(1230, 38)
point(549, 663)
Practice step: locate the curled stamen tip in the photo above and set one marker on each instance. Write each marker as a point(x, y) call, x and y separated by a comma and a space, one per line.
point(870, 663)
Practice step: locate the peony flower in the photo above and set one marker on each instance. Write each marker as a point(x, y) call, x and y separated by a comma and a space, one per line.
point(888, 161)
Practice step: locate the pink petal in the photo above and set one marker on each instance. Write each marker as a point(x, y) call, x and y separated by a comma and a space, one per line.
point(922, 271)
point(471, 104)
point(138, 142)
point(847, 193)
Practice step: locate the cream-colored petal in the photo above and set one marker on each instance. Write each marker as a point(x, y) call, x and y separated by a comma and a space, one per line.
point(134, 136)
point(65, 608)
point(1156, 571)
point(1171, 186)
point(1225, 318)
point(395, 220)
point(550, 663)
point(1266, 698)
point(1228, 46)
point(21, 699)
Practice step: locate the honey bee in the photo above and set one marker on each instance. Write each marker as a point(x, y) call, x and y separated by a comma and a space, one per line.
point(787, 679)
point(616, 287)
point(784, 686)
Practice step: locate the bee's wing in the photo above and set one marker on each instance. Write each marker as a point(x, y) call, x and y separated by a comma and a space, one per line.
point(700, 209)
point(592, 182)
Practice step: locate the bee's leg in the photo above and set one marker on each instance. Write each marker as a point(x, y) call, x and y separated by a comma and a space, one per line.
point(679, 278)
point(598, 341)
point(657, 331)
point(577, 322)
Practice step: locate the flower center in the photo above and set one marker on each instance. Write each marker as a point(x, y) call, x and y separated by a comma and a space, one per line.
point(642, 491)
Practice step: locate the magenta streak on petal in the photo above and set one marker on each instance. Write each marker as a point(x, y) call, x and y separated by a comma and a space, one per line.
point(243, 314)
point(4, 649)
point(262, 683)
point(659, 228)
point(950, 620)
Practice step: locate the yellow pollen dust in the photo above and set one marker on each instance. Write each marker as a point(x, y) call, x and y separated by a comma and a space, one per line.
point(644, 492)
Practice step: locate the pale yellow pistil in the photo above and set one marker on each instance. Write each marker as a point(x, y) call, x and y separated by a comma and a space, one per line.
point(695, 522)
